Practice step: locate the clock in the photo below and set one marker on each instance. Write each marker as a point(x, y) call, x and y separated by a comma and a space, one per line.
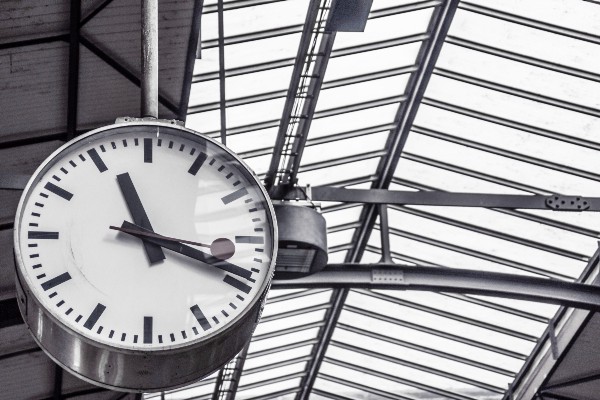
point(144, 252)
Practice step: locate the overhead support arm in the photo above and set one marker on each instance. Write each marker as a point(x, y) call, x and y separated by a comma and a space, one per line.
point(438, 198)
point(450, 280)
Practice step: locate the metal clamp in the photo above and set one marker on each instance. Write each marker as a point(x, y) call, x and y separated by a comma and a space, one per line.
point(387, 276)
point(567, 203)
point(121, 120)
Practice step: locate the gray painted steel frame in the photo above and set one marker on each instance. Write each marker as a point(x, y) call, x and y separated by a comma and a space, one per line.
point(439, 26)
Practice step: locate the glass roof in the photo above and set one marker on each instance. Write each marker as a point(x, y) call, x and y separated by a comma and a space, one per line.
point(510, 106)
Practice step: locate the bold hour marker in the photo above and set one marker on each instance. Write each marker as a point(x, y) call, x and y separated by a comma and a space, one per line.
point(94, 316)
point(234, 196)
point(148, 329)
point(58, 191)
point(236, 283)
point(250, 239)
point(97, 160)
point(148, 150)
point(200, 317)
point(197, 163)
point(57, 280)
point(42, 235)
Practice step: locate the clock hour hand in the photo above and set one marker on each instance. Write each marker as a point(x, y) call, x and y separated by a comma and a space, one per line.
point(134, 204)
point(178, 247)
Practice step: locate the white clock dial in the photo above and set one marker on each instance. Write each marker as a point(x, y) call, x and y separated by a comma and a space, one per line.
point(105, 237)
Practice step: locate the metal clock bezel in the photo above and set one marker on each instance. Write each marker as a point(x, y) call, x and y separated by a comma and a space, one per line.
point(133, 369)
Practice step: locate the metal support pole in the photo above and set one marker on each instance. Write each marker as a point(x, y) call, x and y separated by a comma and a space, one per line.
point(150, 58)
point(385, 235)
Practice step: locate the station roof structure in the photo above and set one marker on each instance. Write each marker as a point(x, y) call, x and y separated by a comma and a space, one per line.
point(433, 96)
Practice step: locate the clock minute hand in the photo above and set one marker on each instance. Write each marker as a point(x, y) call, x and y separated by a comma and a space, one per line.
point(178, 247)
point(134, 204)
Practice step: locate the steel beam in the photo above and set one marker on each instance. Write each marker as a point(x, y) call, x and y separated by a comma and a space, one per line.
point(35, 41)
point(293, 88)
point(193, 41)
point(73, 82)
point(430, 49)
point(451, 280)
point(133, 78)
point(222, 95)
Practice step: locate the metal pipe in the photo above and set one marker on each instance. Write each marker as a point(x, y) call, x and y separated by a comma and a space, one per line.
point(149, 58)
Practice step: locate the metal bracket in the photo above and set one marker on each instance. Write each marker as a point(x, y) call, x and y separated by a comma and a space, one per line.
point(553, 340)
point(121, 120)
point(387, 276)
point(567, 203)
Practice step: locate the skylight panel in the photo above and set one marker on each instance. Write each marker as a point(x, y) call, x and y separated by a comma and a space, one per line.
point(519, 75)
point(573, 14)
point(267, 388)
point(524, 40)
point(257, 361)
point(308, 300)
point(517, 141)
point(344, 148)
point(396, 332)
point(261, 51)
point(264, 17)
point(276, 79)
point(352, 121)
point(342, 172)
point(519, 171)
point(371, 61)
point(362, 92)
point(284, 339)
point(380, 29)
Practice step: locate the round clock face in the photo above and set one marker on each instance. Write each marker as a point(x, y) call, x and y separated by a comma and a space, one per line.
point(145, 237)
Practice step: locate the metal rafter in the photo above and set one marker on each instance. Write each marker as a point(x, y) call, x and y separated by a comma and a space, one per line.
point(430, 49)
point(73, 83)
point(293, 89)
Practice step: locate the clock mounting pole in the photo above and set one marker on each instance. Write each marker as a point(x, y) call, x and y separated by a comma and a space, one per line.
point(149, 84)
